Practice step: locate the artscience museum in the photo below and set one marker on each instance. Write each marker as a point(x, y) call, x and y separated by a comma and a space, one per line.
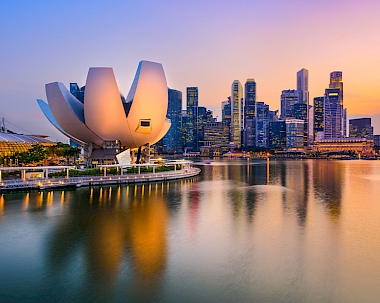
point(104, 122)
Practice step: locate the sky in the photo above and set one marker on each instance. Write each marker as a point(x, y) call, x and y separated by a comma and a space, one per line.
point(208, 44)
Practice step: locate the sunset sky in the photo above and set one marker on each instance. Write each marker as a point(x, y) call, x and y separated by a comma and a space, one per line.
point(207, 44)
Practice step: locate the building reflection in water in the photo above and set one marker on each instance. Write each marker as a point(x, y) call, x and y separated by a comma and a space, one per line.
point(119, 233)
point(328, 184)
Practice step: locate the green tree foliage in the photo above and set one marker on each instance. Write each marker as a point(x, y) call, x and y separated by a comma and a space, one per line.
point(66, 151)
point(34, 155)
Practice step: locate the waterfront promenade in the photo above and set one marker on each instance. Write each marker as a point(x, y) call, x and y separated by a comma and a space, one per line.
point(49, 183)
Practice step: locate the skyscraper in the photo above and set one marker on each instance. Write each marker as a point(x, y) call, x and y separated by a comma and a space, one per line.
point(226, 111)
point(303, 85)
point(192, 118)
point(318, 115)
point(294, 134)
point(204, 116)
point(216, 134)
point(333, 114)
point(277, 134)
point(288, 99)
point(173, 138)
point(336, 82)
point(249, 113)
point(262, 124)
point(237, 112)
point(172, 142)
point(301, 112)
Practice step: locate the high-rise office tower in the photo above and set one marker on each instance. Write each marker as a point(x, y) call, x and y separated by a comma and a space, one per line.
point(361, 128)
point(249, 138)
point(303, 85)
point(172, 142)
point(262, 124)
point(336, 82)
point(294, 134)
point(288, 99)
point(192, 118)
point(237, 112)
point(217, 134)
point(204, 116)
point(226, 111)
point(333, 114)
point(173, 138)
point(249, 98)
point(184, 126)
point(301, 112)
point(344, 122)
point(318, 115)
point(277, 134)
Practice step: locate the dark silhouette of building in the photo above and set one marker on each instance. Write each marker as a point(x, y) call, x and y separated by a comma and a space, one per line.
point(361, 128)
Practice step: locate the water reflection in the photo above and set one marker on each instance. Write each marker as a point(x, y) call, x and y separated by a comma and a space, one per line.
point(257, 231)
point(328, 184)
point(117, 233)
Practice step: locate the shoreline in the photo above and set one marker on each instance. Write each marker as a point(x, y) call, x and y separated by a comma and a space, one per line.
point(51, 183)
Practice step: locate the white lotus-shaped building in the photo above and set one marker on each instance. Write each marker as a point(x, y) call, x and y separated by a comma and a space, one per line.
point(104, 116)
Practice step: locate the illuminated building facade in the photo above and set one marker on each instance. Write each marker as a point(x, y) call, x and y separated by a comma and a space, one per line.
point(226, 111)
point(301, 113)
point(333, 114)
point(294, 134)
point(336, 82)
point(105, 120)
point(361, 128)
point(216, 138)
point(192, 118)
point(237, 112)
point(289, 98)
point(262, 124)
point(277, 134)
point(15, 143)
point(204, 116)
point(249, 138)
point(318, 115)
point(359, 145)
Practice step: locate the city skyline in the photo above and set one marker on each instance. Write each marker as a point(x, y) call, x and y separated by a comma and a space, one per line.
point(50, 42)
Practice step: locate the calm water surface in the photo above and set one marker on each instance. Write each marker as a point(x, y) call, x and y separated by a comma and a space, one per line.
point(258, 231)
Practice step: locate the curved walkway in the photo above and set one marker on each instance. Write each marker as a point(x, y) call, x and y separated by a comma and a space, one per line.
point(50, 183)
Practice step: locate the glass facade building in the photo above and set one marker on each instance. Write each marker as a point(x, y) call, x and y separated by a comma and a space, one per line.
point(192, 118)
point(216, 135)
point(249, 138)
point(262, 124)
point(336, 82)
point(333, 114)
point(172, 142)
point(288, 99)
point(277, 134)
point(294, 134)
point(361, 128)
point(237, 112)
point(318, 115)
